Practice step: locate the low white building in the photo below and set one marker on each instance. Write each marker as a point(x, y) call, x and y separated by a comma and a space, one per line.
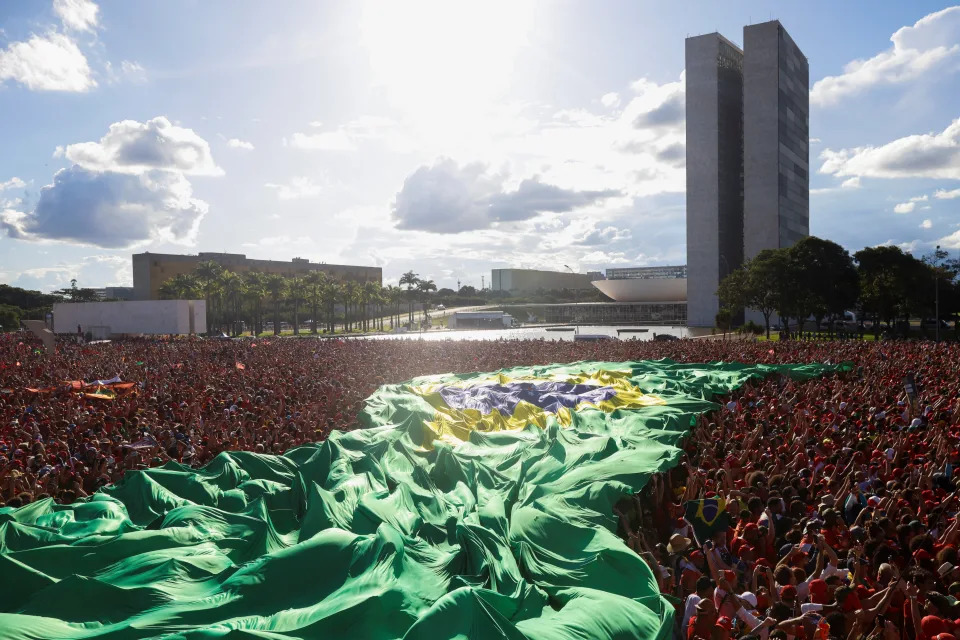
point(139, 317)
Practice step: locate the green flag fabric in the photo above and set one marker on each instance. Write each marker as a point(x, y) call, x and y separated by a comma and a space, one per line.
point(470, 506)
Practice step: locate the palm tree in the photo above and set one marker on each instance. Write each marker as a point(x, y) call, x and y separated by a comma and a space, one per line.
point(314, 283)
point(295, 292)
point(394, 296)
point(370, 292)
point(256, 284)
point(349, 294)
point(233, 287)
point(424, 287)
point(180, 287)
point(208, 274)
point(410, 279)
point(276, 286)
point(331, 293)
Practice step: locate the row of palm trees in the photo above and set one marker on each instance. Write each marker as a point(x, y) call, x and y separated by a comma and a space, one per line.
point(234, 298)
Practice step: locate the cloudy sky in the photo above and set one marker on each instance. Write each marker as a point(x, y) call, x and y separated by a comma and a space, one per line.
point(436, 136)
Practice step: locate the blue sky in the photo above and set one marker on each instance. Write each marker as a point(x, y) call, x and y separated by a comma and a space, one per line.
point(441, 137)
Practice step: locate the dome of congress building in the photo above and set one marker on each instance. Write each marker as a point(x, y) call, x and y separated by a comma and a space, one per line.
point(645, 284)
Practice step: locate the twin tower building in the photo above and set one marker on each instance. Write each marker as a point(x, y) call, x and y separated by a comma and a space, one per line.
point(748, 131)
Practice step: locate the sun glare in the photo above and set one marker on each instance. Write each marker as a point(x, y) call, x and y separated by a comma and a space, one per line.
point(433, 56)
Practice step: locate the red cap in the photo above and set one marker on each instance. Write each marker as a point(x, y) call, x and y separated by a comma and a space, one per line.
point(921, 554)
point(751, 526)
point(818, 592)
point(788, 592)
point(729, 576)
point(933, 626)
point(725, 623)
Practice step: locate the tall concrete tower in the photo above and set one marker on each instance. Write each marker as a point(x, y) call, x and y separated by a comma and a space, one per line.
point(747, 155)
point(714, 85)
point(776, 139)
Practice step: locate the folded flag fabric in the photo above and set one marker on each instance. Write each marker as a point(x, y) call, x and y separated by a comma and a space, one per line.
point(471, 506)
point(707, 517)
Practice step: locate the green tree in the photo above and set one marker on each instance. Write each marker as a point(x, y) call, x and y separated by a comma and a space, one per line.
point(409, 279)
point(78, 294)
point(394, 297)
point(9, 317)
point(371, 296)
point(256, 290)
point(314, 283)
point(825, 278)
point(893, 285)
point(769, 284)
point(233, 287)
point(295, 294)
point(183, 286)
point(276, 286)
point(762, 284)
point(723, 320)
point(332, 293)
point(424, 288)
point(733, 293)
point(209, 275)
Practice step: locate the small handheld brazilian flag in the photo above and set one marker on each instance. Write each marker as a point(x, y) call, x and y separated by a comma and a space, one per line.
point(707, 517)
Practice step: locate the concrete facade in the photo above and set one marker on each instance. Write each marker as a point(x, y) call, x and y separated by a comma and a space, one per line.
point(534, 280)
point(714, 143)
point(776, 115)
point(747, 155)
point(151, 270)
point(146, 317)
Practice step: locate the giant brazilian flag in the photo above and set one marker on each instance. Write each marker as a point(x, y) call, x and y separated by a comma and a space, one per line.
point(470, 506)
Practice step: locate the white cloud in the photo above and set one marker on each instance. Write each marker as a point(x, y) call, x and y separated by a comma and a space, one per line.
point(916, 50)
point(13, 183)
point(943, 194)
point(135, 147)
point(910, 205)
point(298, 187)
point(906, 247)
point(926, 224)
point(109, 209)
point(930, 155)
point(52, 62)
point(951, 241)
point(448, 198)
point(237, 143)
point(282, 241)
point(611, 99)
point(604, 258)
point(346, 137)
point(851, 183)
point(129, 71)
point(327, 141)
point(814, 140)
point(126, 190)
point(904, 207)
point(603, 235)
point(79, 15)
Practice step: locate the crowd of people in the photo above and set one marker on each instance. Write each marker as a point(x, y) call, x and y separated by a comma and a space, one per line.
point(836, 497)
point(831, 505)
